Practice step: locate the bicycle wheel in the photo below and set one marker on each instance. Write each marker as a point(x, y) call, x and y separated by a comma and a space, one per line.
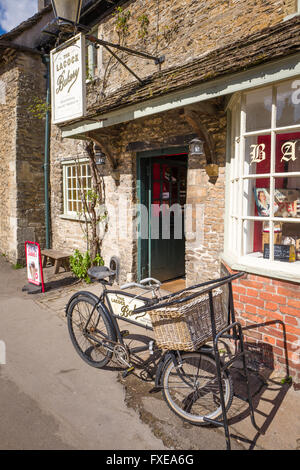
point(192, 392)
point(85, 338)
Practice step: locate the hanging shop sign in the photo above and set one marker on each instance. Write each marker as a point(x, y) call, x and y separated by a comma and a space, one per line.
point(68, 76)
point(34, 264)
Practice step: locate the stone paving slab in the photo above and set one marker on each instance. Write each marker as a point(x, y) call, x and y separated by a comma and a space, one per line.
point(276, 404)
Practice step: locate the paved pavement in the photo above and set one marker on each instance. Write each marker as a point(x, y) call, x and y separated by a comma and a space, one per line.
point(50, 399)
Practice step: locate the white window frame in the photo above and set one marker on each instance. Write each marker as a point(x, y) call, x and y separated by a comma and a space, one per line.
point(92, 58)
point(67, 164)
point(235, 178)
point(288, 17)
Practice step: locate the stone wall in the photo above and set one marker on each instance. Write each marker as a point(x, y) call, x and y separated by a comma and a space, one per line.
point(182, 30)
point(8, 190)
point(166, 130)
point(30, 147)
point(21, 154)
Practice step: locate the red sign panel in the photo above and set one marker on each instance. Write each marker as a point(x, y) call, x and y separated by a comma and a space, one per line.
point(34, 264)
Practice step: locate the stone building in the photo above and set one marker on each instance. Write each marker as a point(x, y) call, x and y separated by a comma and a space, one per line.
point(22, 82)
point(231, 77)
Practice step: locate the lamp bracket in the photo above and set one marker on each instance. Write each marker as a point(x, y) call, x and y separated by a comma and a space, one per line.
point(113, 161)
point(108, 45)
point(194, 120)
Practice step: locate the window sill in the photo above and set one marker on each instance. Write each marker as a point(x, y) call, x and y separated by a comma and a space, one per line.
point(289, 17)
point(283, 271)
point(72, 217)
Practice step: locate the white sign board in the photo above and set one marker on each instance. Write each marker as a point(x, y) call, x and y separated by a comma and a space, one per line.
point(123, 306)
point(68, 76)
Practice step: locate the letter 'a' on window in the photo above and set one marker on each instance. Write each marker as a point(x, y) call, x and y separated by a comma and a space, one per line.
point(263, 213)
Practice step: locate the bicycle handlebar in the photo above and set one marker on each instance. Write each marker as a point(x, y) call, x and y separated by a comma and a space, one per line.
point(142, 284)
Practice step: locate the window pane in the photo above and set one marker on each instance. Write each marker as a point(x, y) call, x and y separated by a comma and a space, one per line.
point(287, 203)
point(257, 155)
point(75, 185)
point(258, 109)
point(288, 109)
point(288, 157)
point(291, 236)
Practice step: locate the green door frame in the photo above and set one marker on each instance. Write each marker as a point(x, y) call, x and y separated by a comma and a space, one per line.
point(140, 156)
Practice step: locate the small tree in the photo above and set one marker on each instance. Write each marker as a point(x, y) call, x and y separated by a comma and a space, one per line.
point(93, 211)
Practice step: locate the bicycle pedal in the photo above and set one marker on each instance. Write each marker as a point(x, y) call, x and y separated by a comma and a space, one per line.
point(127, 372)
point(125, 333)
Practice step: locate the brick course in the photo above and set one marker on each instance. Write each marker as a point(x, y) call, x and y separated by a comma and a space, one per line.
point(273, 320)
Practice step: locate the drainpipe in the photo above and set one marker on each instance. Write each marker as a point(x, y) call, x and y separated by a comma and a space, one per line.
point(46, 61)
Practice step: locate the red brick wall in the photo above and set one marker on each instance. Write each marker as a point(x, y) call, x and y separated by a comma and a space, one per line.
point(269, 311)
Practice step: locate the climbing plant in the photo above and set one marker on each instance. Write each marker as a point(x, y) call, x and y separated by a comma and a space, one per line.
point(144, 24)
point(92, 211)
point(39, 108)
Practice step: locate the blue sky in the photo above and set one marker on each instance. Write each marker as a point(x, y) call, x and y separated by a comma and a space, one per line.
point(13, 12)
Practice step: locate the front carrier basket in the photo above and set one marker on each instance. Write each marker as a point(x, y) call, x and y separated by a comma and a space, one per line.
point(185, 323)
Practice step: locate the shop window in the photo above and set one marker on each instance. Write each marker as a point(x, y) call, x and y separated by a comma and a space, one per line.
point(263, 203)
point(77, 181)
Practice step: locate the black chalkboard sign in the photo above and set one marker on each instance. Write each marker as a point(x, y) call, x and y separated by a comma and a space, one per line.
point(281, 252)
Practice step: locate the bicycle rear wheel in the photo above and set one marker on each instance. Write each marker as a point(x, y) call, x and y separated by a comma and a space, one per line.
point(192, 391)
point(88, 328)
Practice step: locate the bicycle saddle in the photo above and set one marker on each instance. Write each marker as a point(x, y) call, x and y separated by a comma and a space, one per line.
point(100, 272)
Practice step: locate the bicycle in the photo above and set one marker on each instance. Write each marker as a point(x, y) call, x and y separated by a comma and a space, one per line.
point(195, 385)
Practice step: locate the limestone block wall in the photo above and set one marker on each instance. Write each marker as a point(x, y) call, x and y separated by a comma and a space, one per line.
point(21, 156)
point(30, 198)
point(166, 130)
point(8, 190)
point(182, 30)
point(207, 197)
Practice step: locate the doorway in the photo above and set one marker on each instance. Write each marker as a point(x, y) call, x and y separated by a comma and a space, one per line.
point(162, 180)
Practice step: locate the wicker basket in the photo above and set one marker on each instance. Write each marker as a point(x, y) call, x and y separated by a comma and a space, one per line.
point(187, 326)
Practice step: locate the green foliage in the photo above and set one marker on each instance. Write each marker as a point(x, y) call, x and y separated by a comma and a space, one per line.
point(121, 23)
point(17, 266)
point(81, 262)
point(39, 108)
point(286, 380)
point(144, 23)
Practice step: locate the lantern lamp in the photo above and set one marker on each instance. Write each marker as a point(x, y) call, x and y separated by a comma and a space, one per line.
point(196, 148)
point(67, 12)
point(100, 157)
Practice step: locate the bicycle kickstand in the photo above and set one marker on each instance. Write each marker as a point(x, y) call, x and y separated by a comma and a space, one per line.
point(127, 372)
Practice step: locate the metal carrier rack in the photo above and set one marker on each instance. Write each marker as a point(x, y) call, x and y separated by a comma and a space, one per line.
point(232, 331)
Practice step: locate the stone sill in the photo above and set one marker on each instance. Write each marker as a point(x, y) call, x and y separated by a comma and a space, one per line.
point(289, 17)
point(262, 267)
point(75, 218)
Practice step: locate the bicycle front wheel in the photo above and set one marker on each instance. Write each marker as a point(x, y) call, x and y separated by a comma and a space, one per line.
point(90, 331)
point(192, 391)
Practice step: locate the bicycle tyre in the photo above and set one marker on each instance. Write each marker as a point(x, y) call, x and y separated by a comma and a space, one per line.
point(192, 404)
point(87, 349)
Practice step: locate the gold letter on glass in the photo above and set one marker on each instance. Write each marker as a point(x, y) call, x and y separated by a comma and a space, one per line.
point(289, 151)
point(258, 153)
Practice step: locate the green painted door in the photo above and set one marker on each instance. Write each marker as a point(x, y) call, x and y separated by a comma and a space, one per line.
point(163, 192)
